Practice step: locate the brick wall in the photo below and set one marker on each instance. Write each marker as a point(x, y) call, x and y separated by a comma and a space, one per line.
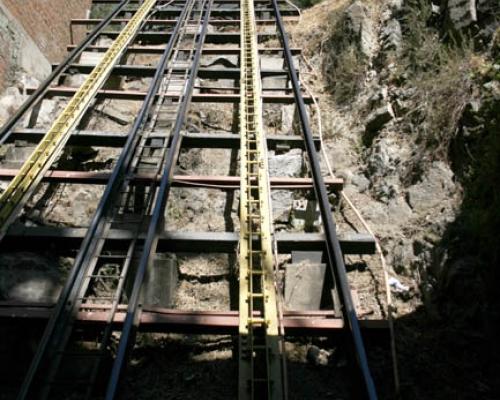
point(5, 51)
point(47, 22)
point(34, 33)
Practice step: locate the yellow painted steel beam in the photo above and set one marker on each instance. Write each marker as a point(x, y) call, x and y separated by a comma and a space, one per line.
point(260, 367)
point(30, 174)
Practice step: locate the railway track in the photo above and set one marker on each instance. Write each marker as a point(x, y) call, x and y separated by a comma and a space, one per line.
point(127, 229)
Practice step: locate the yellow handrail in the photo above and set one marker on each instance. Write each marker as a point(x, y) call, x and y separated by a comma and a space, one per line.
point(260, 372)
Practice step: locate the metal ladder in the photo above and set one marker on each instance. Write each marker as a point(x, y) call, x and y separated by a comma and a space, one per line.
point(154, 143)
point(174, 82)
point(108, 266)
point(260, 367)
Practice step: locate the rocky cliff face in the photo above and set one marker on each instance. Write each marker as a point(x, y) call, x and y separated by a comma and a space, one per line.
point(410, 92)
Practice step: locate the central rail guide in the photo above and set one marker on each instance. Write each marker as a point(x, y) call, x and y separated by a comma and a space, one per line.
point(260, 363)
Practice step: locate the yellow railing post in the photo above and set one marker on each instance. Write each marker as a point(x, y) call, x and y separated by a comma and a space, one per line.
point(260, 372)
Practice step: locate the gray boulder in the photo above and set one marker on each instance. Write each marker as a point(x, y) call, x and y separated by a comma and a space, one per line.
point(361, 182)
point(10, 101)
point(360, 25)
point(392, 37)
point(402, 256)
point(376, 120)
point(317, 356)
point(280, 165)
point(287, 164)
point(434, 190)
point(381, 161)
point(461, 13)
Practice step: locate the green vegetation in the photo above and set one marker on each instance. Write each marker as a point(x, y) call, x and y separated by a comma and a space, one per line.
point(440, 75)
point(346, 73)
point(455, 116)
point(344, 65)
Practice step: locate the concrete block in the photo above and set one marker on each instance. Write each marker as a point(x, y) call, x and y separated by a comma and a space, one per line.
point(160, 282)
point(304, 286)
point(273, 82)
point(306, 215)
point(271, 63)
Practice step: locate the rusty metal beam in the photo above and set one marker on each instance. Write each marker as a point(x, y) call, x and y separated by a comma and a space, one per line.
point(203, 73)
point(219, 22)
point(155, 319)
point(222, 182)
point(135, 95)
point(234, 50)
point(233, 12)
point(157, 37)
point(202, 140)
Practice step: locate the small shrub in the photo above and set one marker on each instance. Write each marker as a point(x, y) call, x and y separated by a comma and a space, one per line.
point(344, 66)
point(439, 98)
point(347, 76)
point(440, 76)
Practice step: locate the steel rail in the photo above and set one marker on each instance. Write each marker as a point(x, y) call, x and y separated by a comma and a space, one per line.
point(70, 290)
point(334, 253)
point(40, 91)
point(133, 312)
point(180, 1)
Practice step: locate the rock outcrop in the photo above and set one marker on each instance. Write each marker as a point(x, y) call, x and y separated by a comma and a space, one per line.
point(359, 25)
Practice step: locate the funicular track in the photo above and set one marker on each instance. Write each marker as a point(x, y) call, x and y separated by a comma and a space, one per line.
point(137, 206)
point(261, 348)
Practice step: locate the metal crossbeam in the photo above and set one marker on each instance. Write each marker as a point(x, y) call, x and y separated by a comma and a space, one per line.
point(142, 71)
point(156, 319)
point(223, 22)
point(221, 182)
point(197, 98)
point(201, 140)
point(234, 50)
point(67, 240)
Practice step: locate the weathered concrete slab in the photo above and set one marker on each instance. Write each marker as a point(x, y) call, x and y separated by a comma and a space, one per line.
point(314, 257)
point(304, 286)
point(160, 282)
